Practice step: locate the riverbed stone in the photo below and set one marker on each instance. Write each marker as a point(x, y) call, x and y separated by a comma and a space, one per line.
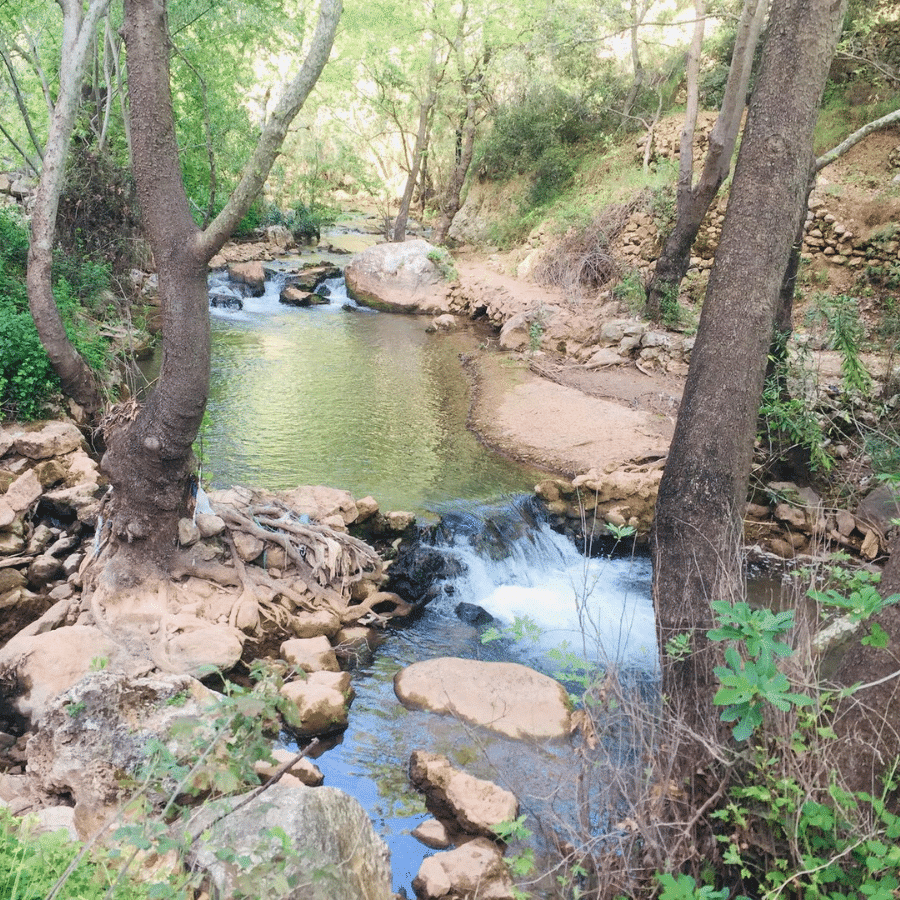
point(432, 834)
point(474, 870)
point(303, 769)
point(328, 833)
point(508, 698)
point(310, 654)
point(250, 274)
point(471, 805)
point(315, 708)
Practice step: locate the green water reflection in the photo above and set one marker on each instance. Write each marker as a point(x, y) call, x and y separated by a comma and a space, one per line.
point(364, 401)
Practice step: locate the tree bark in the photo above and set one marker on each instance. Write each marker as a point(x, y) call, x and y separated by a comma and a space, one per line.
point(148, 459)
point(453, 194)
point(76, 378)
point(421, 147)
point(694, 200)
point(696, 540)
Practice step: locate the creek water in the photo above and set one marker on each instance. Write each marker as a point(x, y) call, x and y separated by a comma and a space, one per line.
point(334, 394)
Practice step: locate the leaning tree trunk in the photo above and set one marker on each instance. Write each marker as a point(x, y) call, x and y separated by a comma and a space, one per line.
point(694, 201)
point(148, 459)
point(76, 378)
point(453, 194)
point(696, 541)
point(399, 233)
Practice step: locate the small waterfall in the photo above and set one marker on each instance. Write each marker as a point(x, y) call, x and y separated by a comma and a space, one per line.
point(515, 567)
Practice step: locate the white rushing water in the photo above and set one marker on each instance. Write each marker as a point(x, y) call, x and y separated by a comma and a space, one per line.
point(519, 570)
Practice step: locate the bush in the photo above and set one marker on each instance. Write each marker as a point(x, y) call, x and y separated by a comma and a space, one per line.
point(545, 121)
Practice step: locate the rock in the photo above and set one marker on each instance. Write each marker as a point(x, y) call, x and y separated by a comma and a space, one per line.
point(99, 730)
point(317, 708)
point(248, 547)
point(310, 654)
point(315, 624)
point(397, 277)
point(295, 296)
point(204, 649)
point(250, 274)
point(279, 236)
point(445, 322)
point(7, 514)
point(879, 507)
point(311, 277)
point(18, 607)
point(51, 819)
point(516, 332)
point(471, 805)
point(303, 769)
point(319, 502)
point(366, 508)
point(475, 870)
point(790, 515)
point(399, 521)
point(50, 439)
point(432, 834)
point(473, 614)
point(210, 525)
point(46, 665)
point(188, 532)
point(50, 472)
point(42, 570)
point(605, 356)
point(23, 492)
point(504, 697)
point(333, 853)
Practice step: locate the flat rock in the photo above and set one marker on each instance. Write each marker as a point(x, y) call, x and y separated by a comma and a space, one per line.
point(505, 697)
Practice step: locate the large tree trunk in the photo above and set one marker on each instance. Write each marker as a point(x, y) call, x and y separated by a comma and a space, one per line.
point(148, 459)
point(75, 376)
point(696, 541)
point(694, 200)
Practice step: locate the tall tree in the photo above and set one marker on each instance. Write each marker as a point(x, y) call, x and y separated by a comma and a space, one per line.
point(693, 200)
point(696, 541)
point(148, 457)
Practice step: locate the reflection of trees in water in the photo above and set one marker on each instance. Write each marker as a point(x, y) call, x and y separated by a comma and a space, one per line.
point(362, 401)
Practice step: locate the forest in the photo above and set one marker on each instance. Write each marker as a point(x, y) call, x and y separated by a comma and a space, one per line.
point(144, 136)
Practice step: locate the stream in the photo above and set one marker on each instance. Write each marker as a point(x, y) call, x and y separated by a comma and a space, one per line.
point(369, 402)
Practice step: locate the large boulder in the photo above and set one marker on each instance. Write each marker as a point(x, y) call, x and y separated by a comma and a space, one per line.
point(100, 730)
point(398, 278)
point(505, 697)
point(44, 666)
point(331, 851)
point(466, 803)
point(250, 274)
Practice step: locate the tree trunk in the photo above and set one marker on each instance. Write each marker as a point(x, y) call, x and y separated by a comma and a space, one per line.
point(696, 541)
point(76, 378)
point(148, 459)
point(694, 201)
point(452, 196)
point(421, 147)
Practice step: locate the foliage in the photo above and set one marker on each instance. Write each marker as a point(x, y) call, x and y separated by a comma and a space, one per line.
point(31, 863)
point(846, 335)
point(537, 135)
point(444, 263)
point(27, 380)
point(752, 681)
point(304, 222)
